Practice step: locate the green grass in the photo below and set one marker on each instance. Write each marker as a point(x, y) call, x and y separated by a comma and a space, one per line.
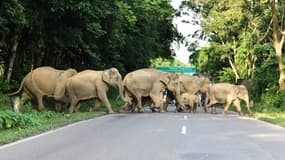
point(45, 123)
point(48, 119)
point(271, 117)
point(267, 114)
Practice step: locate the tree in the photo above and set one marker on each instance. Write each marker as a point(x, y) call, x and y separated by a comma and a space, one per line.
point(278, 41)
point(85, 34)
point(12, 22)
point(234, 29)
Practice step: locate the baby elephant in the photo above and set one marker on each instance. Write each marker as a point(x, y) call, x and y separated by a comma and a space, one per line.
point(190, 101)
point(225, 93)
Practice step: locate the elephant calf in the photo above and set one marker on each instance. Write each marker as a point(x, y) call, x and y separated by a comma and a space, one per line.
point(225, 93)
point(191, 101)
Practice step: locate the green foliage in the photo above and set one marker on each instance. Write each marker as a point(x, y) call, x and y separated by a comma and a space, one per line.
point(269, 103)
point(10, 119)
point(44, 121)
point(234, 30)
point(266, 80)
point(4, 102)
point(85, 34)
point(154, 62)
point(7, 86)
point(226, 75)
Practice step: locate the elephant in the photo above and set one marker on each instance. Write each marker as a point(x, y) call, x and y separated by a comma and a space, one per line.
point(40, 82)
point(194, 85)
point(191, 101)
point(225, 93)
point(92, 84)
point(149, 82)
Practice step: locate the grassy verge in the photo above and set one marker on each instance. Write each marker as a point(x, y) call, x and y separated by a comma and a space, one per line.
point(43, 121)
point(275, 118)
point(271, 115)
point(46, 120)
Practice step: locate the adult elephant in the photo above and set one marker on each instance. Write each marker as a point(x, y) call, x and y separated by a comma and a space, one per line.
point(225, 93)
point(40, 82)
point(149, 83)
point(90, 84)
point(194, 85)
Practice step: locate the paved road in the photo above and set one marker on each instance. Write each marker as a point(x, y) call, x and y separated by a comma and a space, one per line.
point(155, 136)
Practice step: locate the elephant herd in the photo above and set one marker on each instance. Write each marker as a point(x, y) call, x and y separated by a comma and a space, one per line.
point(136, 89)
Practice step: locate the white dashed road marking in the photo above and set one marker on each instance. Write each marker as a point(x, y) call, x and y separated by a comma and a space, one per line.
point(184, 130)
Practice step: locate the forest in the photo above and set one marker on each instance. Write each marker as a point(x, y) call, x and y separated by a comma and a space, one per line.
point(83, 34)
point(244, 40)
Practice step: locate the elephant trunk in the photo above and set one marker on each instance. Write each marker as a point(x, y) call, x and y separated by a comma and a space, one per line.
point(121, 91)
point(15, 100)
point(248, 104)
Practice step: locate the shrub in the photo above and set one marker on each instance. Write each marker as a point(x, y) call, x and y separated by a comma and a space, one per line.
point(6, 86)
point(10, 119)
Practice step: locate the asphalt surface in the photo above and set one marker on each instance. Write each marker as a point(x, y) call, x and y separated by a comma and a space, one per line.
point(155, 136)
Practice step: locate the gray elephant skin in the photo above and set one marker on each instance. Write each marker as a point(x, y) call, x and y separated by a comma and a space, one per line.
point(149, 83)
point(92, 84)
point(40, 82)
point(225, 93)
point(194, 85)
point(190, 101)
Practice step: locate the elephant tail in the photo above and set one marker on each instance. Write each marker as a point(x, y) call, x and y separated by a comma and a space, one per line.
point(20, 88)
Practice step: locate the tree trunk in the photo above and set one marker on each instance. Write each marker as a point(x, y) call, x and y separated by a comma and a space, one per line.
point(278, 40)
point(15, 42)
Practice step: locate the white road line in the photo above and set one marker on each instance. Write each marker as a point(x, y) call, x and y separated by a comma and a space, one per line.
point(185, 117)
point(184, 130)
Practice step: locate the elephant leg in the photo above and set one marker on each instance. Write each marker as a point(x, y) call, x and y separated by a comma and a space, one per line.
point(226, 107)
point(40, 102)
point(128, 100)
point(72, 105)
point(158, 103)
point(96, 105)
point(165, 105)
point(140, 107)
point(77, 107)
point(237, 105)
point(213, 109)
point(178, 108)
point(133, 106)
point(58, 103)
point(124, 106)
point(187, 108)
point(194, 107)
point(203, 104)
point(103, 97)
point(58, 106)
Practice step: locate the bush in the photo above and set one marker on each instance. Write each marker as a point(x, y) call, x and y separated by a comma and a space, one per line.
point(8, 86)
point(10, 119)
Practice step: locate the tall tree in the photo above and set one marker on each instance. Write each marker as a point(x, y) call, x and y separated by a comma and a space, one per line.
point(234, 29)
point(12, 22)
point(278, 40)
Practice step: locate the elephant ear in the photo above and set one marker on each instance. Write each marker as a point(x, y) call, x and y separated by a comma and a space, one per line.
point(109, 76)
point(165, 79)
point(106, 76)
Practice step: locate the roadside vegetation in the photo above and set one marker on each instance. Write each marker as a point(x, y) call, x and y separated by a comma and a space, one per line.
point(14, 126)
